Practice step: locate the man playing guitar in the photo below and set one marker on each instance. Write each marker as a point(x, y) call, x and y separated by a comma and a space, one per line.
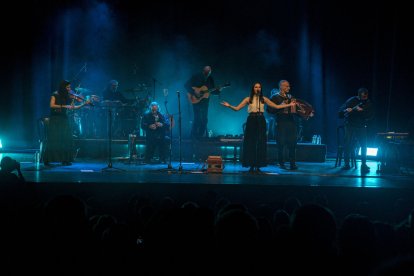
point(198, 94)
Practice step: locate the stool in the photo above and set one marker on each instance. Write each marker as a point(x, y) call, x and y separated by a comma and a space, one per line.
point(42, 129)
point(340, 131)
point(132, 150)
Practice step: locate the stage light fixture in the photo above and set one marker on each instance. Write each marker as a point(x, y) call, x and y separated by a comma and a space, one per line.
point(370, 151)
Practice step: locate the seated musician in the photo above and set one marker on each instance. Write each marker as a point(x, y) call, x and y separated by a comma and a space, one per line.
point(155, 125)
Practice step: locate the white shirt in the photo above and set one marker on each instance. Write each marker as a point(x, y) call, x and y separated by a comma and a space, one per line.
point(255, 106)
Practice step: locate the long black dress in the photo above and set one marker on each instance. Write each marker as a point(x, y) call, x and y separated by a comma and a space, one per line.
point(59, 144)
point(254, 151)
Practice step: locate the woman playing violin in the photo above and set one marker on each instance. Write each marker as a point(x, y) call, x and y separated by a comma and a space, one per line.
point(59, 144)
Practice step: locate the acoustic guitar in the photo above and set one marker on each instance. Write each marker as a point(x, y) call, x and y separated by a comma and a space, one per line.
point(355, 108)
point(203, 92)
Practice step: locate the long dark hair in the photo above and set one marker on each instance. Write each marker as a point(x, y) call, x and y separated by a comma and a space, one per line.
point(261, 99)
point(62, 87)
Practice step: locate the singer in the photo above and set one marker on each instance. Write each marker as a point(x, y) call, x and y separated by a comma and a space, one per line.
point(155, 126)
point(254, 138)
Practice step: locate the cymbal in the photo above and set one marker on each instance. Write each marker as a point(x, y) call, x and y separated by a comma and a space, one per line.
point(80, 90)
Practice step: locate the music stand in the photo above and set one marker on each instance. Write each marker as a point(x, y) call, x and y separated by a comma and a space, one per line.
point(110, 105)
point(170, 117)
point(180, 167)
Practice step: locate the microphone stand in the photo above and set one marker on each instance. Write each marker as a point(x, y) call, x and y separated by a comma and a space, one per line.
point(110, 167)
point(180, 167)
point(154, 82)
point(170, 118)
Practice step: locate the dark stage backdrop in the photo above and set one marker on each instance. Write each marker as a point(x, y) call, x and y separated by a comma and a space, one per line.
point(326, 50)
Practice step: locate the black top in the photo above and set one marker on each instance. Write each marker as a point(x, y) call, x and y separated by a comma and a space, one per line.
point(150, 118)
point(283, 114)
point(199, 80)
point(356, 118)
point(60, 100)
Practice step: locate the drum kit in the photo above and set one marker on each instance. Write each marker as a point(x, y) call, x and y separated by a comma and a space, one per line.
point(91, 121)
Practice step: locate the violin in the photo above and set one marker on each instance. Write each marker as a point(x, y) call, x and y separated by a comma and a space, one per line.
point(75, 96)
point(81, 98)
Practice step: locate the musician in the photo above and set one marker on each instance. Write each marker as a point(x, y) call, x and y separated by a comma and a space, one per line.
point(286, 121)
point(255, 140)
point(59, 145)
point(200, 101)
point(356, 112)
point(113, 97)
point(155, 125)
point(111, 92)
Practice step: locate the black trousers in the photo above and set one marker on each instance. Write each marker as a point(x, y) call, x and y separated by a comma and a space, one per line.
point(286, 137)
point(199, 127)
point(152, 143)
point(352, 136)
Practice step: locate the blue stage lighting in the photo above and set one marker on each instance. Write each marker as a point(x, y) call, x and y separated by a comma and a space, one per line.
point(370, 151)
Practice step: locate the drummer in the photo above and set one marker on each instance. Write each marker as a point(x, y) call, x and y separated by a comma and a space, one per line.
point(111, 92)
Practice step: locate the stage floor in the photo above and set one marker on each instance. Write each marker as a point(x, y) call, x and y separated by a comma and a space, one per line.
point(309, 174)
